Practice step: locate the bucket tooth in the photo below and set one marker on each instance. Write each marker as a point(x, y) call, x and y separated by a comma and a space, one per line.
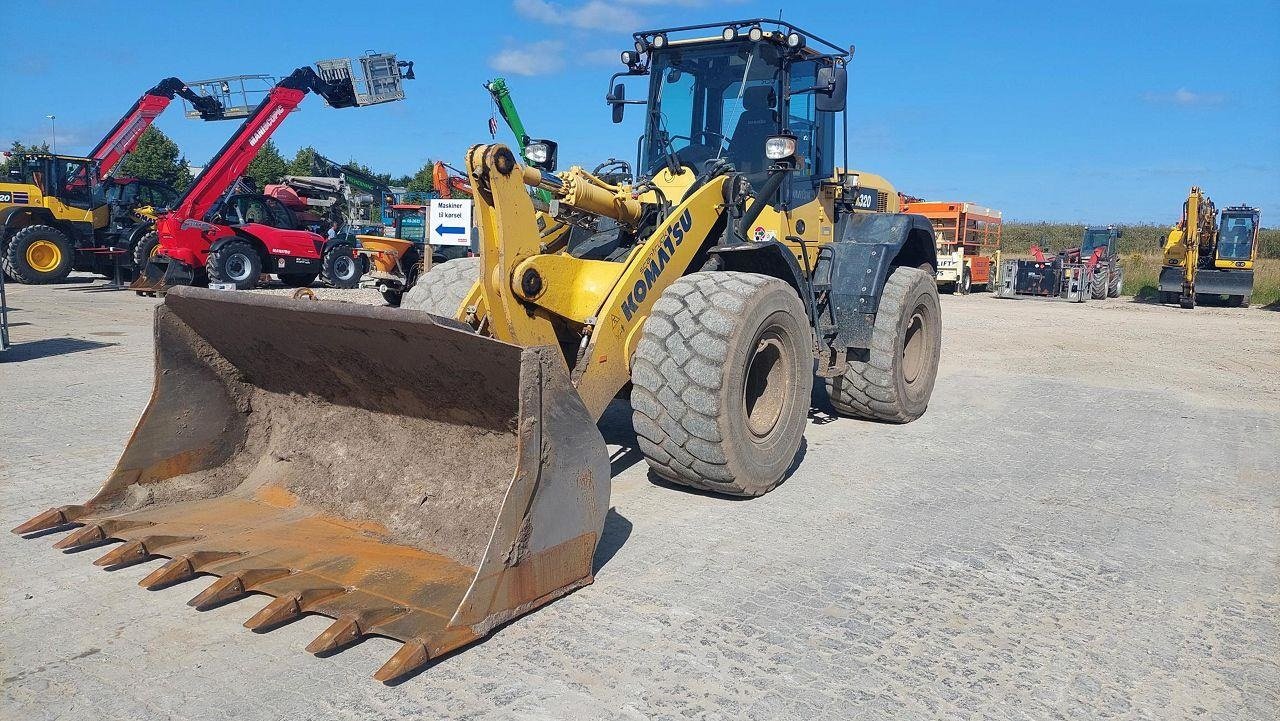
point(341, 632)
point(280, 611)
point(85, 536)
point(126, 553)
point(51, 518)
point(183, 568)
point(175, 571)
point(411, 656)
point(234, 585)
point(291, 606)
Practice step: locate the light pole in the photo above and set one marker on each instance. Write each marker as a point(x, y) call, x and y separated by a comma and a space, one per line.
point(53, 131)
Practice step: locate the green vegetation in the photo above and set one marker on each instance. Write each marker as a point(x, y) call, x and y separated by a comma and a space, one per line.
point(268, 166)
point(1142, 239)
point(11, 161)
point(157, 158)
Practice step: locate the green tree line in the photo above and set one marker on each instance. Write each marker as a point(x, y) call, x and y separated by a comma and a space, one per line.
point(1017, 238)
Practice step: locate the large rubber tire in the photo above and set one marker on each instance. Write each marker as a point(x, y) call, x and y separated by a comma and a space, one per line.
point(340, 268)
point(444, 287)
point(895, 382)
point(965, 286)
point(147, 246)
point(1115, 286)
point(39, 254)
point(1099, 282)
point(721, 382)
point(236, 262)
point(297, 280)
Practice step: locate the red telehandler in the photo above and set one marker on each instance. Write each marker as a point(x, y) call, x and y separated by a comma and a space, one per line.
point(214, 235)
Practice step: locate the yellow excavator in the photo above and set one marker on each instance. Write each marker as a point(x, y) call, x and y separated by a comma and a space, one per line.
point(429, 472)
point(1207, 257)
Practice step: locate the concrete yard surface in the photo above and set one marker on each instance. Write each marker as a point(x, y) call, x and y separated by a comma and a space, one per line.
point(1083, 525)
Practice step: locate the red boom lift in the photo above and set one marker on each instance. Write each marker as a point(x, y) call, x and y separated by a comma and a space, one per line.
point(212, 235)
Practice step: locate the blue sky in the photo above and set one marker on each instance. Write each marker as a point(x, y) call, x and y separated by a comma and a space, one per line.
point(1084, 111)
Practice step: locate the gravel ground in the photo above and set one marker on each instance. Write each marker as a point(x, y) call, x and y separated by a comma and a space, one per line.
point(1083, 525)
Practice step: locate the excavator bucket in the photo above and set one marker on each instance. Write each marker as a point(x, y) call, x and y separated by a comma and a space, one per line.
point(387, 468)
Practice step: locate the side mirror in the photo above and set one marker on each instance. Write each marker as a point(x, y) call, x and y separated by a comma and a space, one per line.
point(835, 84)
point(618, 99)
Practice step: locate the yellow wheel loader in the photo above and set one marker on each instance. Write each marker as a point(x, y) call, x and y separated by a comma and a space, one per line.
point(429, 472)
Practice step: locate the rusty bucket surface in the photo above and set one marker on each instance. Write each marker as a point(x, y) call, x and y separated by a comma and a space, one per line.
point(386, 468)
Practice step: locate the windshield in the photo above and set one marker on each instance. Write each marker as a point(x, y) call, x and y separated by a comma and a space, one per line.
point(713, 101)
point(1094, 239)
point(1235, 237)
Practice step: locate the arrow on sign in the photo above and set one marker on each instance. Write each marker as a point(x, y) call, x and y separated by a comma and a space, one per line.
point(450, 230)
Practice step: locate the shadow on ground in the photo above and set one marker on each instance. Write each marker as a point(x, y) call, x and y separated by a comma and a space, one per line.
point(49, 347)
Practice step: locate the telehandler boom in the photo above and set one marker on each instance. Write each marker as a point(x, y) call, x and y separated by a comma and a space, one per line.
point(712, 285)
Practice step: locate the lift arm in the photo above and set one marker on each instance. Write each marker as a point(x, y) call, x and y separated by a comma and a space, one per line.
point(124, 135)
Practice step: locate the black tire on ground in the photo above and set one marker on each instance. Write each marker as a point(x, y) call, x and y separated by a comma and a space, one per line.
point(1246, 300)
point(1115, 286)
point(340, 268)
point(444, 287)
point(1188, 301)
point(297, 280)
point(146, 247)
point(966, 282)
point(39, 254)
point(896, 380)
point(1099, 282)
point(236, 262)
point(721, 382)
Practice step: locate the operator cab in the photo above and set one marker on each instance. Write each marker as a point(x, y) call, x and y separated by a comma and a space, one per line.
point(73, 181)
point(139, 193)
point(1095, 238)
point(752, 98)
point(1236, 233)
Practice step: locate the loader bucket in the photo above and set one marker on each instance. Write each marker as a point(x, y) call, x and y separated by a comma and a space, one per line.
point(386, 468)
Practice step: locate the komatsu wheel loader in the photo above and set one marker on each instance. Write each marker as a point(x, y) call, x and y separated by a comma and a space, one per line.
point(58, 212)
point(1205, 259)
point(712, 285)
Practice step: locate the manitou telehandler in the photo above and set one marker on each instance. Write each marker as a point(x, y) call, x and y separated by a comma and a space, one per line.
point(1091, 270)
point(60, 213)
point(429, 476)
point(213, 236)
point(1207, 258)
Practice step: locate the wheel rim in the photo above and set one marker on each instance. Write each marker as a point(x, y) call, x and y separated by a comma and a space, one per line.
point(344, 267)
point(764, 392)
point(155, 248)
point(44, 256)
point(239, 267)
point(915, 345)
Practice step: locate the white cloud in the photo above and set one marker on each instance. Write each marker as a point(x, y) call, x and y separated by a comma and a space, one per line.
point(1185, 98)
point(591, 15)
point(540, 58)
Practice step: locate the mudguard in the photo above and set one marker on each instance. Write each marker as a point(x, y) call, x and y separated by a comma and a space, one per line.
point(850, 273)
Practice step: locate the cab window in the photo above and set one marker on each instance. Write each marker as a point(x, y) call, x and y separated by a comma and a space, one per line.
point(1235, 238)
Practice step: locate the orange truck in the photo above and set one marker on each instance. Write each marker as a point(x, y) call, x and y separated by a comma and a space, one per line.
point(967, 237)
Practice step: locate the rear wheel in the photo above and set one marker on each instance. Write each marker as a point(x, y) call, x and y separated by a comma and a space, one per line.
point(1098, 283)
point(340, 268)
point(1116, 286)
point(39, 254)
point(297, 280)
point(236, 262)
point(966, 282)
point(895, 382)
point(444, 287)
point(721, 382)
point(146, 247)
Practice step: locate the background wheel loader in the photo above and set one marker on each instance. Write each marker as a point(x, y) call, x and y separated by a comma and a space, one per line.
point(712, 285)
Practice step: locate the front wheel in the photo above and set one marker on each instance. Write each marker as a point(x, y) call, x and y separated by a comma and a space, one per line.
point(39, 254)
point(895, 381)
point(1116, 286)
point(340, 269)
point(236, 262)
point(721, 382)
point(966, 282)
point(1098, 283)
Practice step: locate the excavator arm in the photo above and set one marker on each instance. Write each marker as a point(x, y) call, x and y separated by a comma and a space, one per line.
point(124, 135)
